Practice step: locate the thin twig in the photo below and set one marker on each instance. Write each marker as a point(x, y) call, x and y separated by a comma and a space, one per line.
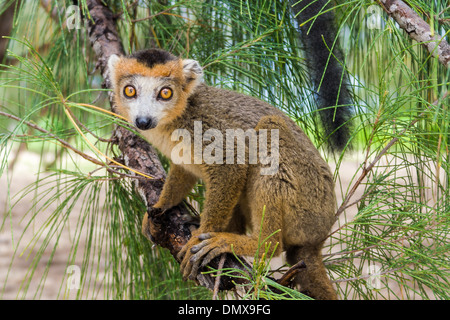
point(219, 272)
point(381, 243)
point(125, 175)
point(291, 273)
point(368, 168)
point(371, 275)
point(337, 261)
point(248, 44)
point(71, 118)
point(135, 3)
point(418, 29)
point(152, 16)
point(51, 135)
point(85, 128)
point(52, 11)
point(443, 10)
point(111, 168)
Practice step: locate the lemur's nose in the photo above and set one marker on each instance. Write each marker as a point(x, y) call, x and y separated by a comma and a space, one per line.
point(144, 123)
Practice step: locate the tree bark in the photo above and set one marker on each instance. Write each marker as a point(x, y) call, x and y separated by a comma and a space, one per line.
point(171, 229)
point(418, 29)
point(6, 22)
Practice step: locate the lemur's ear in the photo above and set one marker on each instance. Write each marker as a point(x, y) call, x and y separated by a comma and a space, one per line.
point(193, 73)
point(112, 62)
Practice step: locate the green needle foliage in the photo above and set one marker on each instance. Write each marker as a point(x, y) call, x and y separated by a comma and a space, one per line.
point(391, 236)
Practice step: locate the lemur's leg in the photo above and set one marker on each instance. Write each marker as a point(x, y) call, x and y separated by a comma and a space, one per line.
point(224, 186)
point(178, 184)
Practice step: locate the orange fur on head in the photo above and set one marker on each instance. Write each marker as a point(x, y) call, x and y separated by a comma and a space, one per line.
point(173, 69)
point(130, 66)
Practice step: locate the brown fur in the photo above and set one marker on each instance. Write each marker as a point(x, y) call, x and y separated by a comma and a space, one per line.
point(298, 199)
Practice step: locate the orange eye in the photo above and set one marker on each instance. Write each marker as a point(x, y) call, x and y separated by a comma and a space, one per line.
point(129, 91)
point(165, 93)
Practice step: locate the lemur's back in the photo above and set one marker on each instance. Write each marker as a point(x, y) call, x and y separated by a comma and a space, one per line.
point(232, 110)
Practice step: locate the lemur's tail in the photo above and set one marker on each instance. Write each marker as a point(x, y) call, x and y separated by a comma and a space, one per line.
point(318, 37)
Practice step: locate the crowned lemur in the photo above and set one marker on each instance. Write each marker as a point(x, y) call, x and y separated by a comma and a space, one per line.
point(163, 95)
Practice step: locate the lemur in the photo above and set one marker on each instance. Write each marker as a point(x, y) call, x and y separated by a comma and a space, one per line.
point(159, 94)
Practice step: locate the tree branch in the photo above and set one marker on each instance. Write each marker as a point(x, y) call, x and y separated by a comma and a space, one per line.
point(418, 29)
point(64, 143)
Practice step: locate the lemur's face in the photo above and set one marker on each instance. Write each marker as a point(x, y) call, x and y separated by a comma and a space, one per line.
point(151, 87)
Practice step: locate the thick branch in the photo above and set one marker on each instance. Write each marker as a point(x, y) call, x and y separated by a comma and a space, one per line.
point(418, 29)
point(171, 229)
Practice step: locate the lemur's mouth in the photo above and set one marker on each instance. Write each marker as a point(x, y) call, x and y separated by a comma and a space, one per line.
point(145, 123)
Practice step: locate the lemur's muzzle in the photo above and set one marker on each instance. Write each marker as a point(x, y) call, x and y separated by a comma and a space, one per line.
point(145, 123)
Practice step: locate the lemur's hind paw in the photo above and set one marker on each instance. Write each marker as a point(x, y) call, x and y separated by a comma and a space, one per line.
point(199, 251)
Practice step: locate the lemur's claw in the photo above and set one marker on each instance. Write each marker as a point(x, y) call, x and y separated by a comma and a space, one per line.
point(196, 255)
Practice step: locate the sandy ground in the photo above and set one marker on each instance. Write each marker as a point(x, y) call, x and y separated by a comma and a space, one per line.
point(18, 240)
point(12, 283)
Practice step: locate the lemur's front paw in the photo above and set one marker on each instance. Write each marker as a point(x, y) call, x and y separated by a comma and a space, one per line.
point(199, 251)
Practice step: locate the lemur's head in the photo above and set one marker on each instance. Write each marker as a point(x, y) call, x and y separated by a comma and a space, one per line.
point(152, 86)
